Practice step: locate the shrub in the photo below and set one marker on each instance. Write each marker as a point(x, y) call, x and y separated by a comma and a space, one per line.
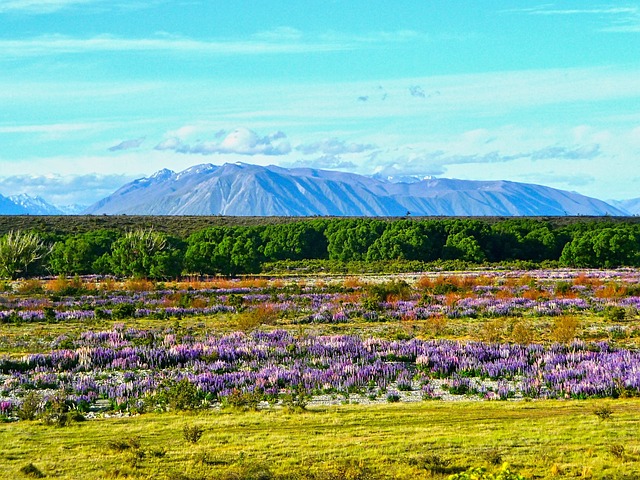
point(30, 470)
point(123, 310)
point(181, 395)
point(433, 463)
point(617, 450)
point(242, 400)
point(31, 406)
point(476, 473)
point(565, 329)
point(124, 444)
point(396, 289)
point(393, 397)
point(615, 313)
point(603, 412)
point(192, 433)
point(61, 412)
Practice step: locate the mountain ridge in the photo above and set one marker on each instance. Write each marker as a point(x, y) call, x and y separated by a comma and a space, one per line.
point(252, 190)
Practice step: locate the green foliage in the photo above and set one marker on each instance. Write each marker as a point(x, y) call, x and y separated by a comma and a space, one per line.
point(19, 251)
point(82, 254)
point(605, 247)
point(339, 245)
point(351, 239)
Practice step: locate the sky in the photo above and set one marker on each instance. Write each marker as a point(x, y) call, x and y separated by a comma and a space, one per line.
point(95, 93)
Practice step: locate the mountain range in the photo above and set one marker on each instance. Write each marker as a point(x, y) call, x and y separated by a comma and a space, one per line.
point(242, 189)
point(252, 190)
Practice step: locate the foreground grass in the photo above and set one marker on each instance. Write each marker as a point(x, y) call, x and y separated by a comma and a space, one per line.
point(541, 439)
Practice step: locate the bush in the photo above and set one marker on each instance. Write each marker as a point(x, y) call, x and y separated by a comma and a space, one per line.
point(30, 470)
point(123, 310)
point(192, 433)
point(31, 406)
point(182, 395)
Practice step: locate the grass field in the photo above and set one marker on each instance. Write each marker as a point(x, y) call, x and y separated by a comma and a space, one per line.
point(540, 439)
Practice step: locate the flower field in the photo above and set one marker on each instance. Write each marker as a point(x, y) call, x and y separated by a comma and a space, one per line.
point(259, 342)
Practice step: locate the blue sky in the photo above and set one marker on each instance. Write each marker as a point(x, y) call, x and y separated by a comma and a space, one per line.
point(94, 93)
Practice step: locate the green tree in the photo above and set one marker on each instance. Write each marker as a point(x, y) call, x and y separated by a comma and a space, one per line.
point(350, 239)
point(604, 247)
point(82, 254)
point(402, 240)
point(19, 251)
point(146, 253)
point(294, 241)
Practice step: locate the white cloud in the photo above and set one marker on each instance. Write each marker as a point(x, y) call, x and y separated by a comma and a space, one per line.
point(64, 189)
point(241, 141)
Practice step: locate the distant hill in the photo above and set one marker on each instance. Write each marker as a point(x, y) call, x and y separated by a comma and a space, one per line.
point(251, 190)
point(631, 206)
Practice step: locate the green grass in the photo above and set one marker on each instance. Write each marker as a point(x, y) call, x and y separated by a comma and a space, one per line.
point(541, 439)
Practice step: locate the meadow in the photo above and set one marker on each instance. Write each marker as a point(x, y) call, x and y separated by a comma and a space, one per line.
point(386, 376)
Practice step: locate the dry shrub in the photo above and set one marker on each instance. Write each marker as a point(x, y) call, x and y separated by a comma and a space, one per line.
point(437, 326)
point(565, 329)
point(349, 298)
point(108, 285)
point(534, 294)
point(138, 285)
point(494, 330)
point(611, 290)
point(253, 282)
point(484, 280)
point(353, 282)
point(223, 283)
point(451, 299)
point(522, 333)
point(29, 287)
point(587, 281)
point(199, 302)
point(504, 293)
point(262, 315)
point(62, 284)
point(424, 283)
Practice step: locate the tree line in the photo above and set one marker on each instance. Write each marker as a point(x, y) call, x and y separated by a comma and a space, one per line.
point(233, 250)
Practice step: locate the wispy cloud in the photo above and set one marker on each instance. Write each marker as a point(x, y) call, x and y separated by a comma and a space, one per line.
point(551, 10)
point(44, 7)
point(281, 40)
point(59, 44)
point(621, 18)
point(128, 144)
point(334, 146)
point(39, 6)
point(49, 129)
